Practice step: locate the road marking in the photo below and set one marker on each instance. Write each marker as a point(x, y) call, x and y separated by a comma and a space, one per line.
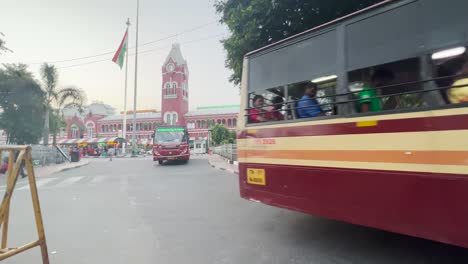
point(69, 181)
point(98, 179)
point(39, 183)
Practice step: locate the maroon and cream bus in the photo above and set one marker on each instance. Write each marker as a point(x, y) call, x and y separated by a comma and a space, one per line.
point(171, 143)
point(402, 167)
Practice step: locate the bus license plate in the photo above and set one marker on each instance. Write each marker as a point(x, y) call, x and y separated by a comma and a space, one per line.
point(256, 176)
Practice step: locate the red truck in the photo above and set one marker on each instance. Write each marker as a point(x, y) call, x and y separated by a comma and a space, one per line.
point(171, 143)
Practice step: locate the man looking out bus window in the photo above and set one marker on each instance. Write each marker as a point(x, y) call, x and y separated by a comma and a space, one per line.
point(460, 94)
point(308, 105)
point(367, 97)
point(257, 114)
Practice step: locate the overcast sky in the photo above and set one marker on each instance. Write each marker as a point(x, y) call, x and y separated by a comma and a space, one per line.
point(55, 30)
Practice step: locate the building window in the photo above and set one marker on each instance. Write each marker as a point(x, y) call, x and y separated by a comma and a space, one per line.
point(229, 123)
point(90, 129)
point(74, 131)
point(203, 124)
point(234, 122)
point(120, 126)
point(174, 118)
point(198, 124)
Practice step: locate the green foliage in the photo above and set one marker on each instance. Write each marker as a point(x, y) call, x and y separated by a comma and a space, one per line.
point(222, 135)
point(256, 23)
point(22, 104)
point(3, 48)
point(56, 99)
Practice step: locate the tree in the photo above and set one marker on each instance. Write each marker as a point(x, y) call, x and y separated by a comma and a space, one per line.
point(257, 23)
point(222, 135)
point(3, 48)
point(22, 104)
point(57, 99)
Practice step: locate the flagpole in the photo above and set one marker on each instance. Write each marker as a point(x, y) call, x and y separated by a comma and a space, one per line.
point(124, 127)
point(134, 146)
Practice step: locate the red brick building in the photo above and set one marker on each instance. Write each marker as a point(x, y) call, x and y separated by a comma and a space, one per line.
point(99, 122)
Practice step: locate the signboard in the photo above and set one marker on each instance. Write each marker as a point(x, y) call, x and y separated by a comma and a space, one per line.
point(170, 129)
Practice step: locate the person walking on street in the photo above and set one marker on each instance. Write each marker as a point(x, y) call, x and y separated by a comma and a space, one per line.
point(111, 153)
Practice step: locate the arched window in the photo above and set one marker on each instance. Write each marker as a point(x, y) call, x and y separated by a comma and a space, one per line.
point(174, 118)
point(149, 127)
point(74, 131)
point(120, 126)
point(198, 124)
point(168, 88)
point(224, 121)
point(219, 121)
point(203, 124)
point(102, 128)
point(234, 122)
point(90, 129)
point(128, 127)
point(174, 88)
point(229, 123)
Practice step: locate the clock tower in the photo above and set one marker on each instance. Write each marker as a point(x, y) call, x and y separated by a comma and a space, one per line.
point(175, 94)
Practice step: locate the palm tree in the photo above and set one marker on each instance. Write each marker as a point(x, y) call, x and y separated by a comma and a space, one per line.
point(57, 98)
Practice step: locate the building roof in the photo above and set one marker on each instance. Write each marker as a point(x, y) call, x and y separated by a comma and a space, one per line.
point(95, 108)
point(130, 116)
point(214, 111)
point(176, 55)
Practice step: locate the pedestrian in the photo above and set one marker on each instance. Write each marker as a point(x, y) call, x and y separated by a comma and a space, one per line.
point(111, 153)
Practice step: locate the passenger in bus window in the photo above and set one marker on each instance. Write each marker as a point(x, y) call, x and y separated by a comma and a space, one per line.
point(308, 105)
point(274, 113)
point(367, 97)
point(257, 114)
point(460, 94)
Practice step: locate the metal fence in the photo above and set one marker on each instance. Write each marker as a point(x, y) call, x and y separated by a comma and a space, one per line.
point(228, 151)
point(46, 155)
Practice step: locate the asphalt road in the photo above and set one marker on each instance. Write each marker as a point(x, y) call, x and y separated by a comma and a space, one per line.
point(134, 211)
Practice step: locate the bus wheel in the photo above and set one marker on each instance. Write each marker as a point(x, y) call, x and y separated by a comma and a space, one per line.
point(160, 162)
point(185, 161)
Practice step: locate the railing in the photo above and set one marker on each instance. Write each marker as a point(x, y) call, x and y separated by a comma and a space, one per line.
point(228, 151)
point(45, 155)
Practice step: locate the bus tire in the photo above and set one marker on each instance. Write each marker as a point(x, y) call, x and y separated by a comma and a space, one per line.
point(160, 162)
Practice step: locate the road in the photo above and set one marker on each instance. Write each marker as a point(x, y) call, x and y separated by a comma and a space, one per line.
point(133, 211)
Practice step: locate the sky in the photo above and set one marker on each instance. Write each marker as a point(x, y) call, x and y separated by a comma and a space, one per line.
point(57, 30)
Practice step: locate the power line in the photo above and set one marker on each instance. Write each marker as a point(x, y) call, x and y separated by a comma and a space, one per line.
point(146, 51)
point(141, 45)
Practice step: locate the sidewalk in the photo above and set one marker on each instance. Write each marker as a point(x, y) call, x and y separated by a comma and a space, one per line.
point(221, 163)
point(51, 169)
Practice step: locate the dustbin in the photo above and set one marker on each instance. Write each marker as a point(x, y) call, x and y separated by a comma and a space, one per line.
point(75, 156)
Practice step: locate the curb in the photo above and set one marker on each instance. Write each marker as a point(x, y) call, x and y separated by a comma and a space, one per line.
point(63, 169)
point(221, 168)
point(69, 168)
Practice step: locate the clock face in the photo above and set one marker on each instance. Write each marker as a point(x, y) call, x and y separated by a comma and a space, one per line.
point(170, 67)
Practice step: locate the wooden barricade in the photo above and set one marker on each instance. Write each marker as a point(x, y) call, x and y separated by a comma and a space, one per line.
point(19, 155)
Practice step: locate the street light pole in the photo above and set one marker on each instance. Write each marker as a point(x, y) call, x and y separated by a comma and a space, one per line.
point(134, 147)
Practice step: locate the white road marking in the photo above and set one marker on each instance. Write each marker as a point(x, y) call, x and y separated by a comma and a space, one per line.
point(98, 179)
point(39, 183)
point(69, 181)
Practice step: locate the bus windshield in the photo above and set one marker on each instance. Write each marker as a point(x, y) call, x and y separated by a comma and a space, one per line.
point(170, 135)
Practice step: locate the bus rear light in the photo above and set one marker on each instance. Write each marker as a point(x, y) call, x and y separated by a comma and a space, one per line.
point(443, 54)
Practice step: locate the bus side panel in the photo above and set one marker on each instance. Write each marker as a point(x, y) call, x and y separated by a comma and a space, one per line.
point(427, 205)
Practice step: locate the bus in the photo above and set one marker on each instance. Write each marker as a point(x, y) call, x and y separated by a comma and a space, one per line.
point(171, 143)
point(401, 164)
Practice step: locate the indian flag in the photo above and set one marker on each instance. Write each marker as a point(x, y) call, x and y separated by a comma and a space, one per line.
point(119, 56)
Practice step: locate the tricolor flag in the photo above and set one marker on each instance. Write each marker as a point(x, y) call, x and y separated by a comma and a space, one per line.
point(119, 56)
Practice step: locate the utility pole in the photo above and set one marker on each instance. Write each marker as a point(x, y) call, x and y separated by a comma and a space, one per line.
point(124, 127)
point(134, 146)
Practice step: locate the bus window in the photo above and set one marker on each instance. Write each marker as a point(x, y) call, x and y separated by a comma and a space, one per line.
point(267, 106)
point(380, 88)
point(320, 102)
point(452, 71)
